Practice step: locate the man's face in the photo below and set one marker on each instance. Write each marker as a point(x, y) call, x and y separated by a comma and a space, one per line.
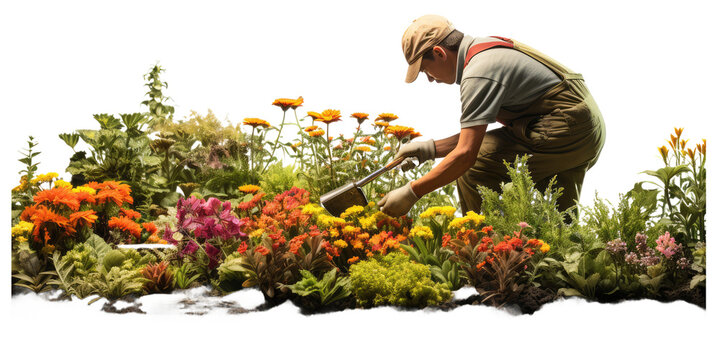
point(441, 68)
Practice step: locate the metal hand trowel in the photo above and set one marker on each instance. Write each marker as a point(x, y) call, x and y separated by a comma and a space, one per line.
point(338, 200)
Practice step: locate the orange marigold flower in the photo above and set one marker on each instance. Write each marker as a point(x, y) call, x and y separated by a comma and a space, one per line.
point(502, 246)
point(388, 148)
point(314, 115)
point(398, 131)
point(382, 123)
point(480, 265)
point(415, 134)
point(545, 248)
point(360, 117)
point(112, 191)
point(83, 196)
point(125, 224)
point(249, 189)
point(387, 117)
point(363, 148)
point(329, 116)
point(285, 104)
point(533, 242)
point(353, 259)
point(254, 122)
point(58, 196)
point(129, 213)
point(83, 218)
point(487, 229)
point(262, 250)
point(316, 133)
point(150, 227)
point(41, 215)
point(311, 128)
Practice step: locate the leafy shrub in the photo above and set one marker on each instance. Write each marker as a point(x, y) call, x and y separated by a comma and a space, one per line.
point(394, 280)
point(327, 290)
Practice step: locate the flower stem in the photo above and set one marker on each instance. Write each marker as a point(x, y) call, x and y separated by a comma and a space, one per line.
point(277, 141)
point(332, 173)
point(252, 153)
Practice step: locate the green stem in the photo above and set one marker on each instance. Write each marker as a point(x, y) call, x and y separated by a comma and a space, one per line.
point(275, 145)
point(332, 173)
point(252, 153)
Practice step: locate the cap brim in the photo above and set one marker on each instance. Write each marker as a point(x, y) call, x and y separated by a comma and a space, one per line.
point(413, 71)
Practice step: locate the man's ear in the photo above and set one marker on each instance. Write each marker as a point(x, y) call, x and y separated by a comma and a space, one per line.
point(439, 52)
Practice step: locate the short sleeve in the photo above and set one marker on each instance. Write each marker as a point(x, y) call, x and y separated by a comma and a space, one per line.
point(481, 99)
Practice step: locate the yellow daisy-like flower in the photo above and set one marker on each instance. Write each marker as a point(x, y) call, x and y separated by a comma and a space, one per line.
point(316, 133)
point(368, 222)
point(255, 122)
point(386, 117)
point(60, 183)
point(353, 210)
point(314, 115)
point(360, 117)
point(329, 116)
point(363, 148)
point(21, 239)
point(340, 244)
point(368, 140)
point(22, 228)
point(422, 231)
point(248, 189)
point(448, 211)
point(44, 178)
point(86, 189)
point(257, 233)
point(311, 128)
point(312, 209)
point(382, 123)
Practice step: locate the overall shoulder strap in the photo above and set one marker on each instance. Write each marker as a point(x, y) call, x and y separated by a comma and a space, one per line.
point(478, 48)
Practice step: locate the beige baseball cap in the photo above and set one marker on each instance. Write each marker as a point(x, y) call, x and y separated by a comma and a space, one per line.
point(424, 33)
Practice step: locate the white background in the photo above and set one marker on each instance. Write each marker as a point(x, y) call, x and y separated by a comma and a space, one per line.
point(651, 66)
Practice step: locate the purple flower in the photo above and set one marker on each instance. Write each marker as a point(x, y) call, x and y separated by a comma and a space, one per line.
point(213, 255)
point(632, 258)
point(167, 235)
point(616, 246)
point(190, 248)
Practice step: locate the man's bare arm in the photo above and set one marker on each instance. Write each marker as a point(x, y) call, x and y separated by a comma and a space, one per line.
point(456, 162)
point(445, 146)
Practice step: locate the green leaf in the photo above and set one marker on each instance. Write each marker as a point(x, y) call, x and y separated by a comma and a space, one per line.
point(696, 280)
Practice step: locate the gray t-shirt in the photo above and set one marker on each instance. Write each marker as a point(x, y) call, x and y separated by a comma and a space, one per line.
point(495, 78)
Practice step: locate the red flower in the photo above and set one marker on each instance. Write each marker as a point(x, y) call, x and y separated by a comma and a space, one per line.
point(150, 227)
point(487, 229)
point(262, 250)
point(487, 240)
point(445, 240)
point(529, 251)
point(242, 248)
point(515, 243)
point(502, 247)
point(58, 196)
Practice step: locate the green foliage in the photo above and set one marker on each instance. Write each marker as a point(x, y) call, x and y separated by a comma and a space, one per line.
point(279, 178)
point(521, 201)
point(592, 276)
point(29, 270)
point(231, 274)
point(429, 251)
point(328, 290)
point(22, 195)
point(631, 216)
point(184, 276)
point(394, 280)
point(158, 112)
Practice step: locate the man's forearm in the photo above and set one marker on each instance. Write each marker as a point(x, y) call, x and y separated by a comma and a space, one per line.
point(444, 146)
point(451, 168)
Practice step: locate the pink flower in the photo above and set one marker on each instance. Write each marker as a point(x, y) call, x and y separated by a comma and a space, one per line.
point(522, 225)
point(667, 246)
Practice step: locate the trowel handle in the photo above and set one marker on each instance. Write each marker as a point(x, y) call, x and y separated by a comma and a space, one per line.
point(379, 172)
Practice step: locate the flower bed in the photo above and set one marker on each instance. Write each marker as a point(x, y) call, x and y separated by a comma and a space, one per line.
point(241, 219)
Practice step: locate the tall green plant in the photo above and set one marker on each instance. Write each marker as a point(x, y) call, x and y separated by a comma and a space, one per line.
point(158, 112)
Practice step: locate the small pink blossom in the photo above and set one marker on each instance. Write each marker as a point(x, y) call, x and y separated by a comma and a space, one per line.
point(667, 246)
point(523, 225)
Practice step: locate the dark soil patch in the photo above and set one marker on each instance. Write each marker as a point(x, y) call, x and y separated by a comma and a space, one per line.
point(109, 306)
point(311, 306)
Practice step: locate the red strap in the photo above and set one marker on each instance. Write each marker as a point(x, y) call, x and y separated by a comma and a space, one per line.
point(476, 49)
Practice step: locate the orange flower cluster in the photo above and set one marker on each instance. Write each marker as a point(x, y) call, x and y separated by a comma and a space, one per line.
point(360, 117)
point(401, 132)
point(286, 104)
point(386, 117)
point(126, 225)
point(111, 191)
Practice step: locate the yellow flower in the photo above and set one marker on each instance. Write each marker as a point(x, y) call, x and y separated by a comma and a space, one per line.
point(44, 178)
point(349, 230)
point(86, 189)
point(421, 231)
point(311, 209)
point(471, 217)
point(382, 123)
point(360, 117)
point(544, 247)
point(363, 148)
point(254, 122)
point(249, 189)
point(329, 116)
point(257, 233)
point(326, 221)
point(340, 244)
point(21, 239)
point(368, 222)
point(333, 232)
point(22, 228)
point(311, 128)
point(353, 210)
point(60, 183)
point(664, 152)
point(400, 132)
point(448, 211)
point(285, 104)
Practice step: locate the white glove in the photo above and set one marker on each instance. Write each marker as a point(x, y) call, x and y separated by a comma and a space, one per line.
point(399, 201)
point(421, 150)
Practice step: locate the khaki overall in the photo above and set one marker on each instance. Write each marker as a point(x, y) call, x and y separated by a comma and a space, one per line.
point(563, 130)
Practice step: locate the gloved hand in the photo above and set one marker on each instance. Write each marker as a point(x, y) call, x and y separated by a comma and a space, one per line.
point(421, 150)
point(399, 201)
